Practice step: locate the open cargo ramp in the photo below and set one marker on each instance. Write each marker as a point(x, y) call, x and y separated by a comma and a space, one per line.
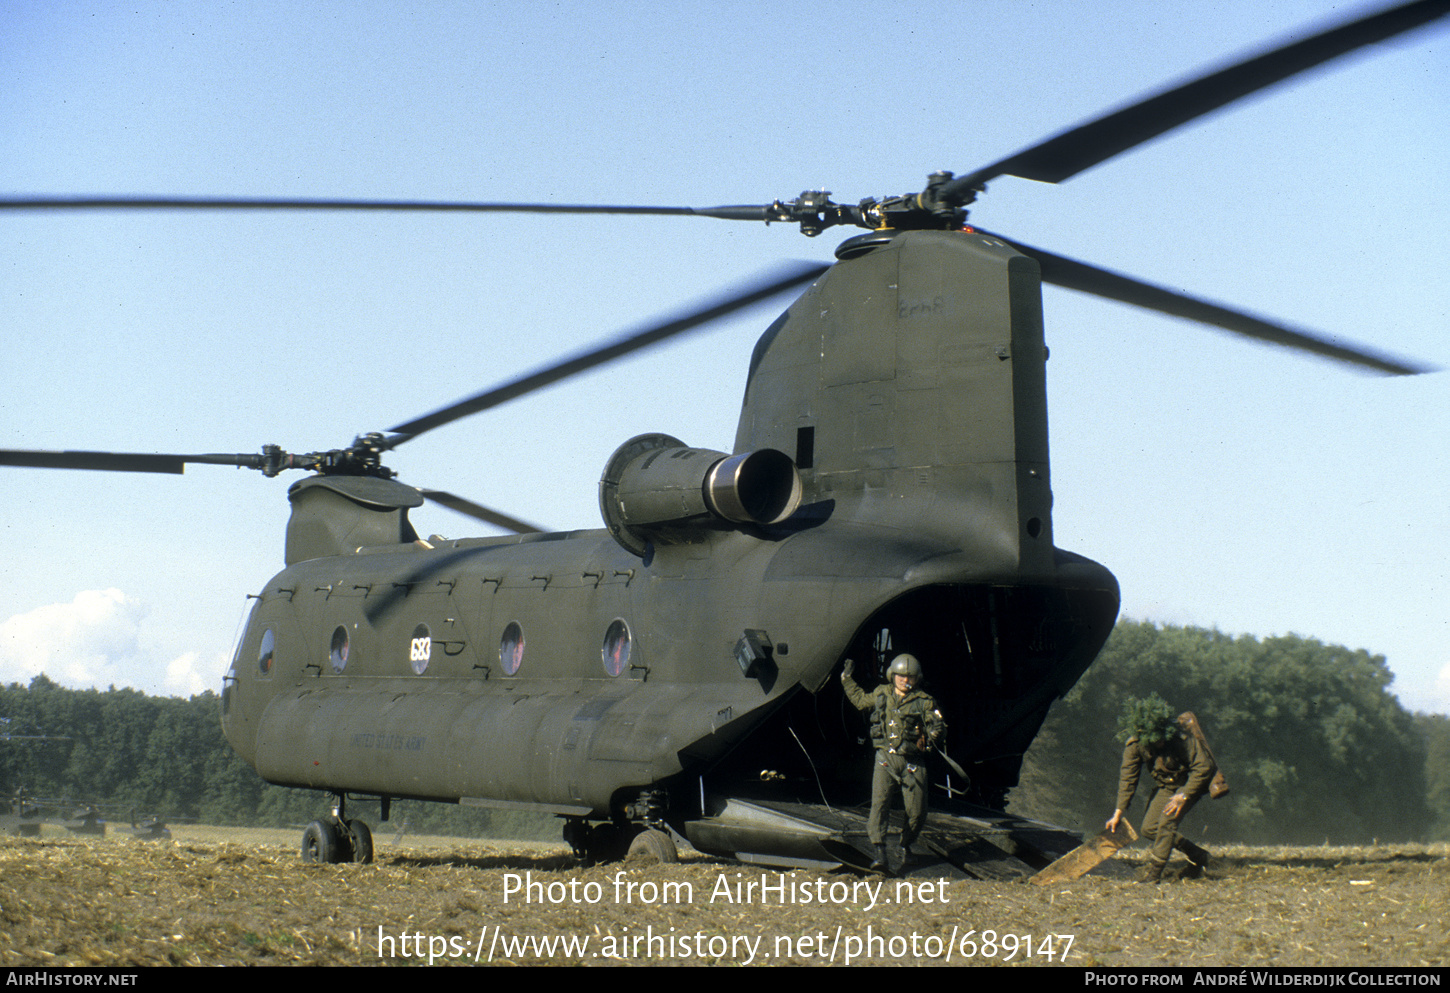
point(967, 842)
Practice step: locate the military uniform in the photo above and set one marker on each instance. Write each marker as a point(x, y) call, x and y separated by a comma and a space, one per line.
point(1178, 766)
point(903, 728)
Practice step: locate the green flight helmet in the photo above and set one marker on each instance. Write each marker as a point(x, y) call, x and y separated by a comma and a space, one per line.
point(905, 665)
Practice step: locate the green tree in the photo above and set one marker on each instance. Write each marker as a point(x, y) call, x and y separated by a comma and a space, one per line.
point(1436, 731)
point(1315, 747)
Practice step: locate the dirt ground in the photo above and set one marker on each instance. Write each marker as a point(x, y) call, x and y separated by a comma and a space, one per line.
point(233, 897)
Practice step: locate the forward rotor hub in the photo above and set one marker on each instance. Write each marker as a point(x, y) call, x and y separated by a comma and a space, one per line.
point(935, 208)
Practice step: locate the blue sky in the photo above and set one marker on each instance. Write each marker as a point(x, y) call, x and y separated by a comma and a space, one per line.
point(1226, 484)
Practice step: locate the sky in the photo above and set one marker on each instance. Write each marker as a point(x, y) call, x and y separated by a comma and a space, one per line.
point(1227, 484)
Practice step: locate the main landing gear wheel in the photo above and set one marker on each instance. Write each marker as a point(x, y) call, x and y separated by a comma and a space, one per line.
point(652, 845)
point(362, 842)
point(333, 840)
point(320, 843)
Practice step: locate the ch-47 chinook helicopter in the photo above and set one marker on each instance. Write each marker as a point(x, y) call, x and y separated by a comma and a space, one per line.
point(674, 673)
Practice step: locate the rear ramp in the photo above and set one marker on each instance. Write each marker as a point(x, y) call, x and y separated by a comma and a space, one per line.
point(968, 842)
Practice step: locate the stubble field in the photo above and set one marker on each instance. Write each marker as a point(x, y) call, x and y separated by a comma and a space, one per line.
point(214, 896)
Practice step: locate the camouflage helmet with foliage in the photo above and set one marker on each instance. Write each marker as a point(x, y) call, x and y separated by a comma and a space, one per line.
point(1149, 719)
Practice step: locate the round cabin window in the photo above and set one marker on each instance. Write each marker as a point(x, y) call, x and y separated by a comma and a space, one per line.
point(266, 652)
point(420, 649)
point(511, 648)
point(340, 647)
point(616, 648)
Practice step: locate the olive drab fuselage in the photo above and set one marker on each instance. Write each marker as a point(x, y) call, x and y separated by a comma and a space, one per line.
point(887, 493)
point(683, 657)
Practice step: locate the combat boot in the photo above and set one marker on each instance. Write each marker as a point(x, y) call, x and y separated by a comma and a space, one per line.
point(1197, 857)
point(880, 863)
point(1152, 873)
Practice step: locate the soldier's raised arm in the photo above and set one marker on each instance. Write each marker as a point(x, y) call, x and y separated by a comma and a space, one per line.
point(859, 698)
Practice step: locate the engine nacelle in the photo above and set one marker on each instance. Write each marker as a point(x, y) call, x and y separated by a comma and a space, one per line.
point(655, 488)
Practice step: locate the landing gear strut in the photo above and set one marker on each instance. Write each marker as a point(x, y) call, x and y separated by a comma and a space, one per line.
point(337, 839)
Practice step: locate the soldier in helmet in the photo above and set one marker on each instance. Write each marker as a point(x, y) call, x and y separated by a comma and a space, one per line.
point(905, 725)
point(1181, 769)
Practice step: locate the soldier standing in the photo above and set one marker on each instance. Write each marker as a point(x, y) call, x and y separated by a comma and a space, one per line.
point(1181, 769)
point(905, 724)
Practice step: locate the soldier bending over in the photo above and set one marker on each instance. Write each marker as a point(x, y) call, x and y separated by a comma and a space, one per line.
point(1181, 771)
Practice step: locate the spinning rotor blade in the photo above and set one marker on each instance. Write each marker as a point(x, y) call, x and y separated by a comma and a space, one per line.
point(1075, 275)
point(361, 458)
point(120, 461)
point(480, 512)
point(796, 275)
point(1088, 144)
point(741, 213)
point(1051, 161)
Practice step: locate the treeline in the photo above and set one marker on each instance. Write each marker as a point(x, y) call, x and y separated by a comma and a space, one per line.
point(136, 756)
point(1315, 747)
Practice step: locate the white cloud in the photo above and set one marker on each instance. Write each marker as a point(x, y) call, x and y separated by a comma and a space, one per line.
point(101, 639)
point(187, 675)
point(90, 641)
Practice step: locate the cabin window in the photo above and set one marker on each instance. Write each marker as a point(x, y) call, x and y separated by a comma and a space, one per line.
point(511, 648)
point(266, 652)
point(420, 650)
point(341, 645)
point(616, 648)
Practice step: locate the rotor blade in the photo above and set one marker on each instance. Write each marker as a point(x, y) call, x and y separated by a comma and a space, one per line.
point(1088, 144)
point(1075, 275)
point(120, 461)
point(481, 512)
point(653, 335)
point(737, 213)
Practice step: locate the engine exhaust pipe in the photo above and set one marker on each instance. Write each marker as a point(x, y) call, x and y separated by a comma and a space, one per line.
point(654, 485)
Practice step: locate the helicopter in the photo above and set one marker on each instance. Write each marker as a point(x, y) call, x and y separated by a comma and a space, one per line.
point(22, 816)
point(151, 827)
point(888, 491)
